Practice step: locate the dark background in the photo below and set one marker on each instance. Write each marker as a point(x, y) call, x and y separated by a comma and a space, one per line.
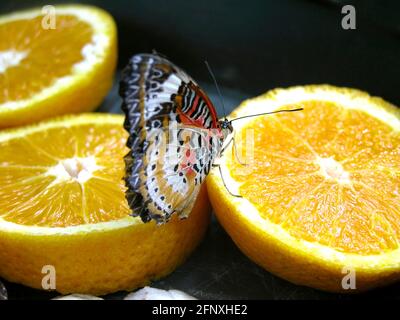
point(253, 46)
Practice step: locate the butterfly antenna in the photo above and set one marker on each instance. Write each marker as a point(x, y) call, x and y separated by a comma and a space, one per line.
point(216, 86)
point(265, 113)
point(155, 52)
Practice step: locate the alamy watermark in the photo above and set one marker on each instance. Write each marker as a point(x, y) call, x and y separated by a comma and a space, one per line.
point(349, 280)
point(349, 18)
point(49, 280)
point(49, 20)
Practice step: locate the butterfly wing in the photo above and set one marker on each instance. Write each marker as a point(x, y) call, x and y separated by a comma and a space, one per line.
point(174, 137)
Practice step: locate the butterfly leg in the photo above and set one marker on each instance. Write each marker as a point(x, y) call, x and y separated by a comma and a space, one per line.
point(234, 150)
point(223, 181)
point(236, 154)
point(226, 146)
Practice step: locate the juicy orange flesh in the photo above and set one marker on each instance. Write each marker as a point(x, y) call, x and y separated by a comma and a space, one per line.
point(32, 192)
point(50, 54)
point(326, 174)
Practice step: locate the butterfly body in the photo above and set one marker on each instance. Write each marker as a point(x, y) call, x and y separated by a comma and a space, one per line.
point(174, 137)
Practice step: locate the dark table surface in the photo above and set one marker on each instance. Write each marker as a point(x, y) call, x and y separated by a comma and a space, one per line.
point(253, 47)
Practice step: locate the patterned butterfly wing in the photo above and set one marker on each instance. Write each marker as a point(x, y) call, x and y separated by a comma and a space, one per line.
point(174, 137)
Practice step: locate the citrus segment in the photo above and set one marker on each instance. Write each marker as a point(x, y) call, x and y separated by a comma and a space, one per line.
point(55, 186)
point(46, 70)
point(26, 69)
point(314, 184)
point(62, 203)
point(327, 177)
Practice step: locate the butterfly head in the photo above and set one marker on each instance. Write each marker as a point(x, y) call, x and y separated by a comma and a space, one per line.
point(226, 127)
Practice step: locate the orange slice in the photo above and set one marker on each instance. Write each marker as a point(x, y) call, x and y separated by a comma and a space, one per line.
point(62, 203)
point(321, 188)
point(55, 61)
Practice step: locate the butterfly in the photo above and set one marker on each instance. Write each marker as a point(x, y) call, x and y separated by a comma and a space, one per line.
point(174, 137)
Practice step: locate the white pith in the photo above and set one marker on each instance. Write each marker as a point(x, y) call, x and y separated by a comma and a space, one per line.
point(11, 58)
point(331, 169)
point(74, 169)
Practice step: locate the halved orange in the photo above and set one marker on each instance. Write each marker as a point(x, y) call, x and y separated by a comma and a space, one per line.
point(62, 204)
point(54, 62)
point(321, 188)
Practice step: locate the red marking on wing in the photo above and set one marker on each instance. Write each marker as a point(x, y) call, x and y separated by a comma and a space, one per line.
point(185, 117)
point(194, 105)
